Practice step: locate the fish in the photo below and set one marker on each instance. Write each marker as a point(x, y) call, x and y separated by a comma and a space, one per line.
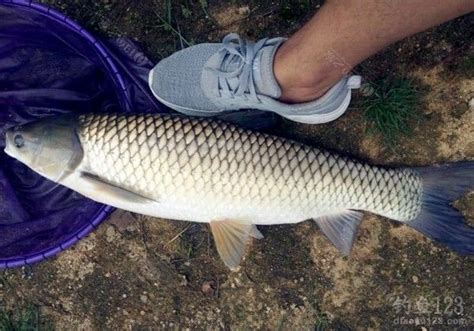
point(209, 171)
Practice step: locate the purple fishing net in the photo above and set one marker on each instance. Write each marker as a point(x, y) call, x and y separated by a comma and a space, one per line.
point(50, 65)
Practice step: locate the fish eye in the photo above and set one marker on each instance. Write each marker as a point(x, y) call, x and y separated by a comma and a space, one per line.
point(19, 141)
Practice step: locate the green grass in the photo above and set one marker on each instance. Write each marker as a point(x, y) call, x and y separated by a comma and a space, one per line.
point(390, 105)
point(466, 65)
point(293, 10)
point(26, 320)
point(322, 323)
point(167, 23)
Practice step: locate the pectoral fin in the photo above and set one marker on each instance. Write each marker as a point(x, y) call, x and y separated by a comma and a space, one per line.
point(100, 188)
point(231, 238)
point(341, 229)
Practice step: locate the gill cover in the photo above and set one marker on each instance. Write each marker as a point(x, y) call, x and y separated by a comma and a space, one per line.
point(51, 147)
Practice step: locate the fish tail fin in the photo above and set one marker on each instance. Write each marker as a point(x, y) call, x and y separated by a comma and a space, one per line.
point(438, 219)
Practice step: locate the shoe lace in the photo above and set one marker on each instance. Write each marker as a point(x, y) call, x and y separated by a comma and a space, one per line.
point(237, 49)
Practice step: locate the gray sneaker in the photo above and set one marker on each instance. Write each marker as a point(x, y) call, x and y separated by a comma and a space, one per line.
point(208, 79)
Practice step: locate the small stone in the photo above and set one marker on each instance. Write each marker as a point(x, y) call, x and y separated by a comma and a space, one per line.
point(110, 234)
point(143, 298)
point(415, 279)
point(238, 282)
point(471, 104)
point(142, 313)
point(184, 281)
point(124, 296)
point(208, 288)
point(107, 275)
point(243, 11)
point(122, 219)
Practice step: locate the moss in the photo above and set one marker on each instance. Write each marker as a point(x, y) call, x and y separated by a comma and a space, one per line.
point(26, 319)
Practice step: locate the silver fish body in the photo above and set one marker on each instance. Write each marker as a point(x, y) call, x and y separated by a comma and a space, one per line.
point(208, 171)
point(202, 170)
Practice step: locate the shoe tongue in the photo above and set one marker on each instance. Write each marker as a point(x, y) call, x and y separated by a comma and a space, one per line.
point(264, 78)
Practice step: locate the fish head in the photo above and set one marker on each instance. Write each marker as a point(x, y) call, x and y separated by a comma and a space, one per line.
point(50, 147)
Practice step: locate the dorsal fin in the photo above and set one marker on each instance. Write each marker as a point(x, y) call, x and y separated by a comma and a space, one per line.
point(341, 229)
point(231, 238)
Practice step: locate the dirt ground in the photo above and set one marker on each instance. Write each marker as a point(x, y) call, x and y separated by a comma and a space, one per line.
point(138, 273)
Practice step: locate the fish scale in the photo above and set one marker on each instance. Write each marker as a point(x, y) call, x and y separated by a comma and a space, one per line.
point(219, 169)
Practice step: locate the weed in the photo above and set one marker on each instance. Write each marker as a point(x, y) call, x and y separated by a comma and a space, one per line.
point(167, 21)
point(390, 105)
point(465, 66)
point(322, 323)
point(187, 13)
point(294, 10)
point(186, 249)
point(204, 6)
point(25, 320)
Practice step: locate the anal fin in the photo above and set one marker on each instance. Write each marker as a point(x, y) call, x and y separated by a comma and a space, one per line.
point(231, 238)
point(341, 229)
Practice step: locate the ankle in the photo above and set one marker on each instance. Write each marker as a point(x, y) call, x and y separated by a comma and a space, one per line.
point(301, 80)
point(294, 95)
